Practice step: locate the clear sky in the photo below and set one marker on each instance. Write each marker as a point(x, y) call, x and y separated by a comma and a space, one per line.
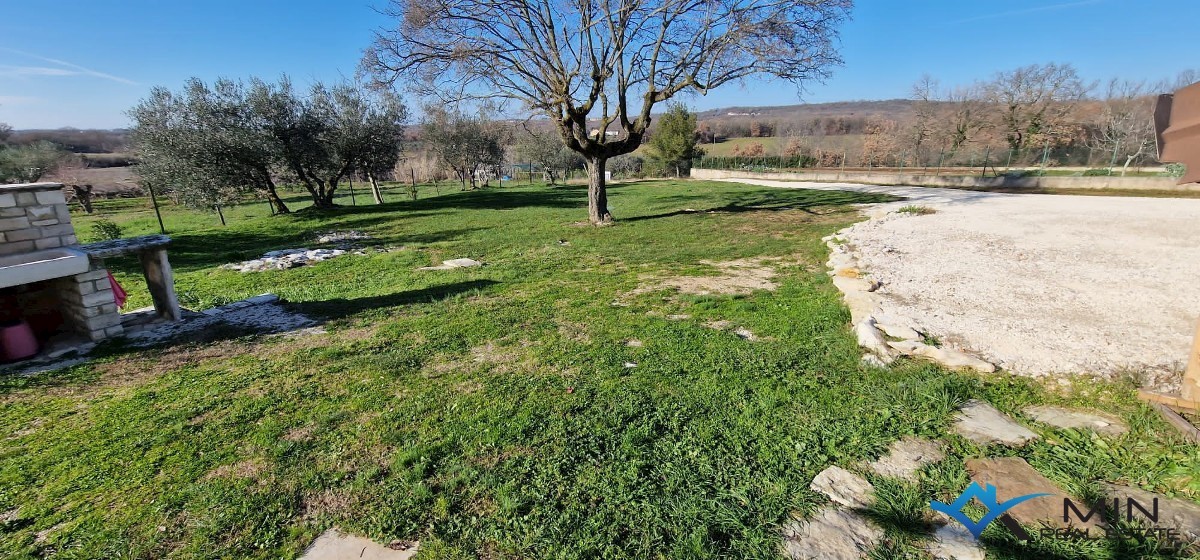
point(83, 63)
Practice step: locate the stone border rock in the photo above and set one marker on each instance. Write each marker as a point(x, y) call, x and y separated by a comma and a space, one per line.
point(875, 332)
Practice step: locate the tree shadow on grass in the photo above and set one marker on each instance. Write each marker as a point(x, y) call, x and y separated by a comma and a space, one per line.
point(190, 252)
point(331, 309)
point(79, 374)
point(774, 201)
point(569, 196)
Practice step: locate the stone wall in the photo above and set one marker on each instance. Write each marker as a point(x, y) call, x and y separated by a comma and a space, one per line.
point(34, 217)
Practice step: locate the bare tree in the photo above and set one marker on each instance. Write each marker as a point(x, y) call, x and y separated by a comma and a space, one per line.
point(1125, 126)
point(71, 171)
point(607, 62)
point(926, 108)
point(1036, 102)
point(881, 142)
point(966, 115)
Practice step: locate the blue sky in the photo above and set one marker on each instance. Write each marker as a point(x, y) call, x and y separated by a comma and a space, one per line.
point(83, 63)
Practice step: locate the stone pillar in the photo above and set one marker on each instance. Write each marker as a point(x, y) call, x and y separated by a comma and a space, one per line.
point(88, 305)
point(161, 281)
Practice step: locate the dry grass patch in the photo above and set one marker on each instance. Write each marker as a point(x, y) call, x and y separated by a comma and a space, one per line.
point(248, 468)
point(329, 502)
point(736, 277)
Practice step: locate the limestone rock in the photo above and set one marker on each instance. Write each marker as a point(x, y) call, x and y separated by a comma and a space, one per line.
point(872, 339)
point(954, 542)
point(899, 331)
point(873, 361)
point(862, 305)
point(453, 263)
point(831, 534)
point(981, 423)
point(844, 487)
point(944, 356)
point(1013, 477)
point(336, 545)
point(1068, 418)
point(906, 456)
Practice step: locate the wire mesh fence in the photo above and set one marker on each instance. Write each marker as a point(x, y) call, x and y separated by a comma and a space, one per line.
point(975, 160)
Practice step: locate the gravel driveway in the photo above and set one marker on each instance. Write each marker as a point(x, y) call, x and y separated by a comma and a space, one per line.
point(1039, 284)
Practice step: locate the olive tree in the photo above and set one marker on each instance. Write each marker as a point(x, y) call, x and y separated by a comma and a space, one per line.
point(546, 149)
point(208, 144)
point(597, 69)
point(468, 144)
point(203, 142)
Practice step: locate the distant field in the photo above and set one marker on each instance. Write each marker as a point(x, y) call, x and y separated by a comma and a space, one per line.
point(775, 145)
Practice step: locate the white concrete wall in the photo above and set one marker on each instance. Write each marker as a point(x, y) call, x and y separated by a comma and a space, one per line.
point(1130, 183)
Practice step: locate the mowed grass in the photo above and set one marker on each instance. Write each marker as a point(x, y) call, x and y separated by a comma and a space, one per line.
point(500, 412)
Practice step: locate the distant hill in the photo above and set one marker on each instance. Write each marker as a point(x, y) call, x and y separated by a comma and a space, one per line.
point(889, 108)
point(80, 141)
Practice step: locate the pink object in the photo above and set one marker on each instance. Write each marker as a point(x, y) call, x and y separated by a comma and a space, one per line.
point(119, 294)
point(17, 341)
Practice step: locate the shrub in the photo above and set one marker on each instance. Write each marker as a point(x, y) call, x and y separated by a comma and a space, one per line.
point(626, 166)
point(1175, 170)
point(106, 230)
point(1099, 172)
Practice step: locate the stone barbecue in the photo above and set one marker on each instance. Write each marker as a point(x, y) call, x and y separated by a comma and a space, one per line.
point(54, 285)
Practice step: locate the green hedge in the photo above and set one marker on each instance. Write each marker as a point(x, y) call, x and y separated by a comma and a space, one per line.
point(738, 162)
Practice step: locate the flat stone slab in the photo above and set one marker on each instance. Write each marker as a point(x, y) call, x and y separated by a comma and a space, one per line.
point(906, 456)
point(831, 534)
point(1180, 514)
point(1013, 477)
point(1069, 418)
point(844, 487)
point(336, 545)
point(453, 263)
point(981, 423)
point(954, 542)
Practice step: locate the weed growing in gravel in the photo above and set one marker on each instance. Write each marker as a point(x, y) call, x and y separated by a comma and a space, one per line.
point(916, 209)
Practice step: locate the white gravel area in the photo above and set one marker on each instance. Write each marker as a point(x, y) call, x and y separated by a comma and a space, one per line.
point(1038, 284)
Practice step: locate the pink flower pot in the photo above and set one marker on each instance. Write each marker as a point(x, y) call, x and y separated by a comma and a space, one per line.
point(17, 342)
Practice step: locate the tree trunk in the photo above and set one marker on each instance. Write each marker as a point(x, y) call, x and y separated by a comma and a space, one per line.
point(597, 195)
point(276, 202)
point(375, 189)
point(84, 194)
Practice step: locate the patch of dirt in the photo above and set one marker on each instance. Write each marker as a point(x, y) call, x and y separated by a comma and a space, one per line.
point(576, 332)
point(201, 418)
point(248, 468)
point(499, 358)
point(737, 277)
point(300, 433)
point(331, 502)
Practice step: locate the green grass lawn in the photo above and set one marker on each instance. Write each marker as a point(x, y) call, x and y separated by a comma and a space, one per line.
point(489, 413)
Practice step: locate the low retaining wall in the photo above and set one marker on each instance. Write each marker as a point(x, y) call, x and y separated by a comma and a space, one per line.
point(1128, 183)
